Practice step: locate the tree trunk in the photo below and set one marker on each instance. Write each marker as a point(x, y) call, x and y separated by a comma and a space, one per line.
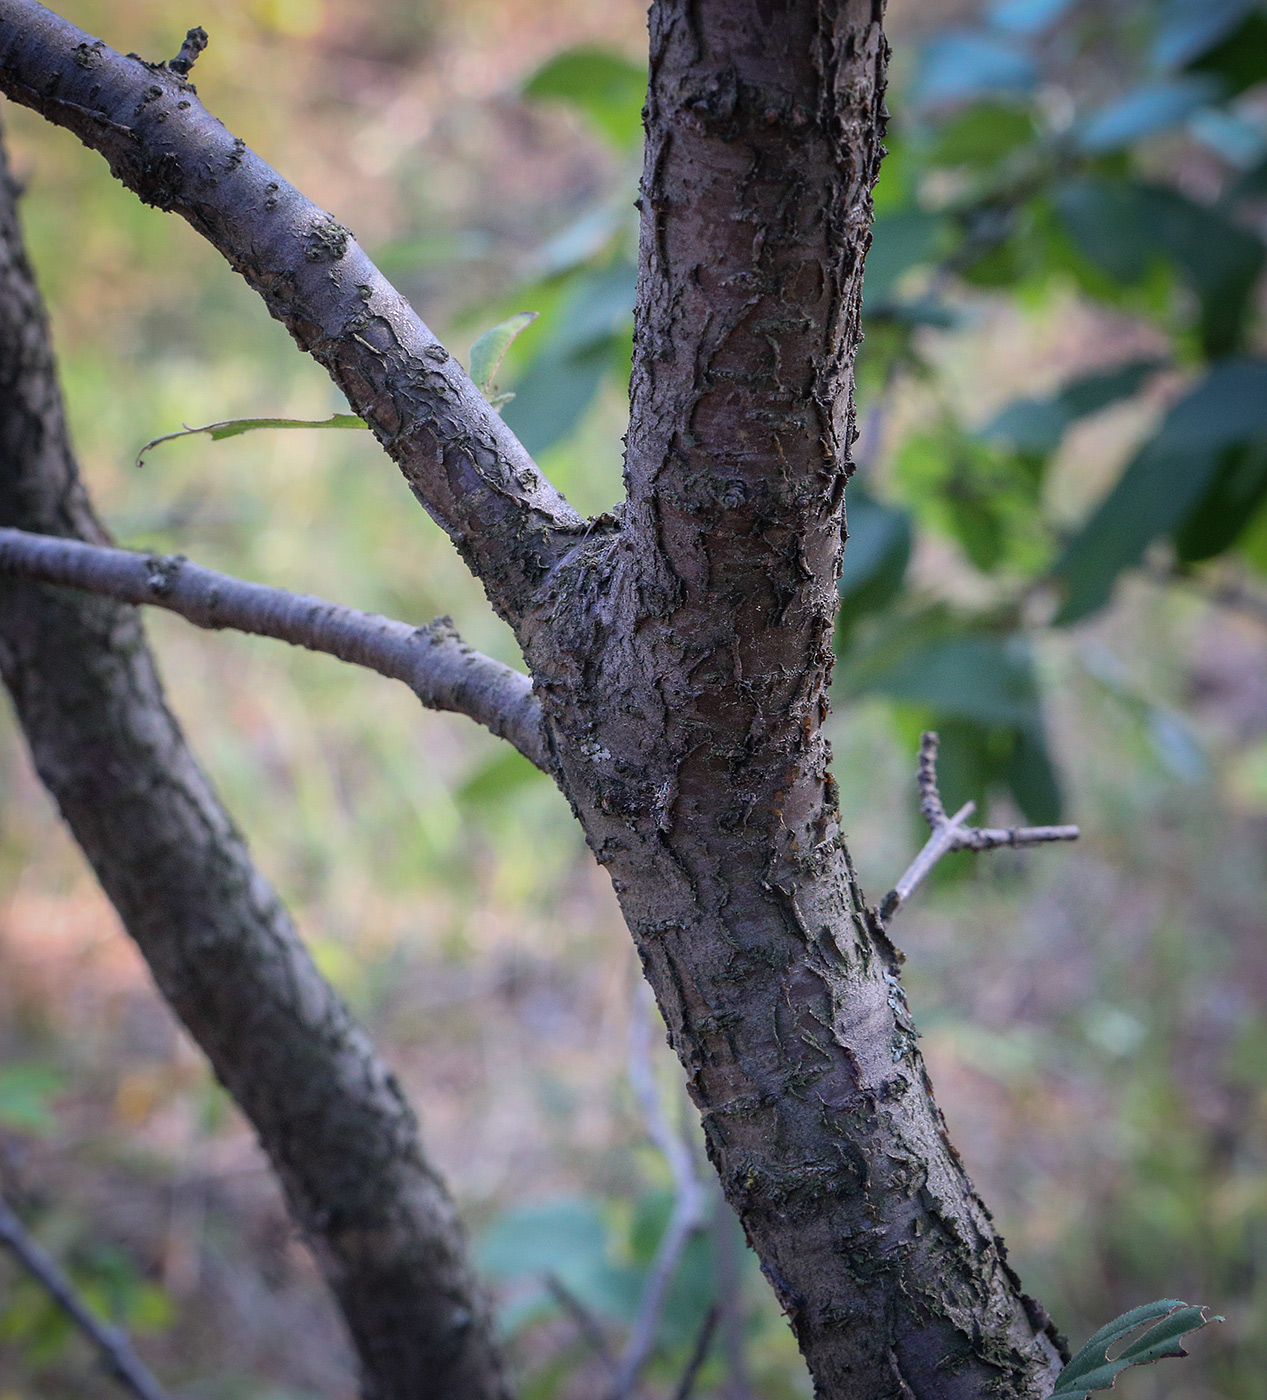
point(681, 647)
point(222, 948)
point(684, 655)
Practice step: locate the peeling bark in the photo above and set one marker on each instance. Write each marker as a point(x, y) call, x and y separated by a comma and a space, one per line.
point(684, 655)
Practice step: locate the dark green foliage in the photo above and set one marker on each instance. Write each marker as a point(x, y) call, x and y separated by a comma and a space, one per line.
point(1092, 1369)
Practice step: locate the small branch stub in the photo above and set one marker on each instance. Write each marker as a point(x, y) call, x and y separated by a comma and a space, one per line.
point(951, 833)
point(195, 42)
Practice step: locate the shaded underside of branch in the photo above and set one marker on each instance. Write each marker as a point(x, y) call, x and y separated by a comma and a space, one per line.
point(220, 945)
point(462, 462)
point(434, 662)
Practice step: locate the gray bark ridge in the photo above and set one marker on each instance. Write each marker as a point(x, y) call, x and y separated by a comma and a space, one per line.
point(220, 945)
point(681, 647)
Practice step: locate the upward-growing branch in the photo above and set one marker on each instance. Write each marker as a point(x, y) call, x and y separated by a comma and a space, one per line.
point(462, 462)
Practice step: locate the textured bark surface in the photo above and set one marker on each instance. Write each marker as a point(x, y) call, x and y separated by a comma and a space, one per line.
point(433, 661)
point(221, 947)
point(462, 462)
point(684, 656)
point(681, 647)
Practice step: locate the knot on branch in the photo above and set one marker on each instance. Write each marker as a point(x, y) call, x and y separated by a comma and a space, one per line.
point(195, 42)
point(951, 833)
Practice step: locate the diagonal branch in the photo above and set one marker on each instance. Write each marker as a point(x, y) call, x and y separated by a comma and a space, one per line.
point(951, 833)
point(113, 1346)
point(222, 948)
point(462, 462)
point(434, 662)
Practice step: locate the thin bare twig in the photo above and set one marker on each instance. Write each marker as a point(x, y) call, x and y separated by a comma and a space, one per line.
point(433, 661)
point(699, 1354)
point(728, 1244)
point(951, 833)
point(113, 1345)
point(690, 1200)
point(586, 1323)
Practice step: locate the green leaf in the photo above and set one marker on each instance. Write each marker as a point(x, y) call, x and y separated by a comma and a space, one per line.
point(1032, 778)
point(554, 394)
point(976, 676)
point(490, 349)
point(1123, 228)
point(27, 1093)
point(1148, 110)
point(877, 551)
point(959, 64)
point(1092, 1369)
point(586, 345)
point(569, 1238)
point(1036, 426)
point(603, 86)
point(899, 242)
point(507, 772)
point(1164, 482)
point(1219, 518)
point(1190, 28)
point(982, 136)
point(1240, 60)
point(232, 427)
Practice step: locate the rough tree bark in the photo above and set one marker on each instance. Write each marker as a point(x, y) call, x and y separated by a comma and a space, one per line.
point(681, 646)
point(221, 946)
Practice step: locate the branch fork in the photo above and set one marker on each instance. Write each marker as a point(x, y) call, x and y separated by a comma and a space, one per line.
point(953, 834)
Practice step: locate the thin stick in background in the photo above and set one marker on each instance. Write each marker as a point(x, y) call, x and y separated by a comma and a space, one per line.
point(699, 1354)
point(113, 1346)
point(689, 1199)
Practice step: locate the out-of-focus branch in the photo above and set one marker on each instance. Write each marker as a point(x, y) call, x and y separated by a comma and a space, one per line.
point(586, 1323)
point(699, 1354)
point(113, 1345)
point(463, 463)
point(690, 1198)
point(434, 663)
point(951, 833)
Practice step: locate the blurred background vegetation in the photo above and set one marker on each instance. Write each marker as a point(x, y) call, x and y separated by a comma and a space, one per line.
point(1057, 550)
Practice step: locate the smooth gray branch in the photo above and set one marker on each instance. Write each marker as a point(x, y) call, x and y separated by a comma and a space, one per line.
point(461, 460)
point(433, 661)
point(951, 834)
point(113, 1345)
point(690, 1199)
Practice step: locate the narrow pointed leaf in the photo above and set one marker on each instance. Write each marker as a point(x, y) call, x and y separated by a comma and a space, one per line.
point(232, 427)
point(490, 349)
point(1093, 1369)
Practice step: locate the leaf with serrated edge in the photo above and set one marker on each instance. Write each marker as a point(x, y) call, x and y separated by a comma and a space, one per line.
point(1091, 1369)
point(232, 427)
point(490, 349)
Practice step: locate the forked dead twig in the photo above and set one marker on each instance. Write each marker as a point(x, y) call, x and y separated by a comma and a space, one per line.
point(951, 833)
point(113, 1346)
